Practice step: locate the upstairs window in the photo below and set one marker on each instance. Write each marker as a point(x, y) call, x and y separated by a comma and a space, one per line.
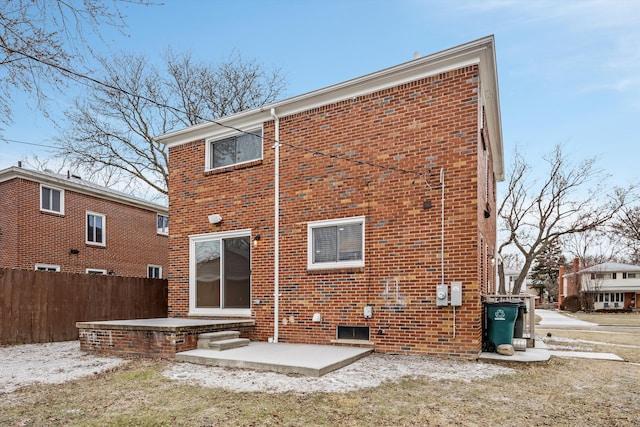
point(154, 272)
point(238, 149)
point(335, 243)
point(96, 229)
point(51, 199)
point(163, 224)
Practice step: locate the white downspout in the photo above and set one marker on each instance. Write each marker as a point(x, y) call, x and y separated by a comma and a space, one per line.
point(276, 228)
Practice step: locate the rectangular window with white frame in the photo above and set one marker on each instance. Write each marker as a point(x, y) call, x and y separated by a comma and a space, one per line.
point(98, 271)
point(220, 273)
point(234, 150)
point(163, 224)
point(96, 229)
point(51, 199)
point(154, 272)
point(47, 267)
point(337, 243)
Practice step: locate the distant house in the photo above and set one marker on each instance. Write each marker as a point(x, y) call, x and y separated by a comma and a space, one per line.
point(337, 216)
point(610, 285)
point(61, 223)
point(510, 276)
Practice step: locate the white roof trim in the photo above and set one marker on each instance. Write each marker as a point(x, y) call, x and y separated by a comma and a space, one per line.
point(79, 186)
point(480, 52)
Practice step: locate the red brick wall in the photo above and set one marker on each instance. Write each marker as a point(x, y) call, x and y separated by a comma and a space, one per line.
point(36, 237)
point(421, 126)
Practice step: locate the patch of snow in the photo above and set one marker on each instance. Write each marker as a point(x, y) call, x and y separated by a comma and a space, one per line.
point(49, 363)
point(370, 371)
point(54, 363)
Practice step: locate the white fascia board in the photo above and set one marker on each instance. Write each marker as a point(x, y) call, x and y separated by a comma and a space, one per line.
point(60, 181)
point(480, 52)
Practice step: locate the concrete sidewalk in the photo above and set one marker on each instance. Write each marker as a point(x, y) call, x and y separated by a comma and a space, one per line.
point(553, 319)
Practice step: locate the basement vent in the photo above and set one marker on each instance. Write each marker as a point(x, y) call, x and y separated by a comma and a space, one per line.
point(353, 332)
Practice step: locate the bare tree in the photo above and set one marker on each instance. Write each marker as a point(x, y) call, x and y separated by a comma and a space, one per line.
point(627, 227)
point(38, 38)
point(591, 247)
point(571, 199)
point(114, 125)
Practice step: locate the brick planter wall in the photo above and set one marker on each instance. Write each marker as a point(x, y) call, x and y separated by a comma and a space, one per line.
point(143, 339)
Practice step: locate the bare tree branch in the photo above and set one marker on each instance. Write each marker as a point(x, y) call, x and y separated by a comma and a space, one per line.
point(574, 198)
point(114, 125)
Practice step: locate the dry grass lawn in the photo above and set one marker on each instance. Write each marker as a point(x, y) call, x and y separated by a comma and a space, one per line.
point(562, 392)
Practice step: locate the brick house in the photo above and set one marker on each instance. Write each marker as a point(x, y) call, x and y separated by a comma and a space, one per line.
point(606, 286)
point(333, 216)
point(61, 223)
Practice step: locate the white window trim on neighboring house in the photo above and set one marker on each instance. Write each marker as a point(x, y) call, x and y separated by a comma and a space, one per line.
point(47, 267)
point(209, 151)
point(312, 265)
point(158, 267)
point(193, 310)
point(162, 228)
point(50, 201)
point(104, 229)
point(95, 271)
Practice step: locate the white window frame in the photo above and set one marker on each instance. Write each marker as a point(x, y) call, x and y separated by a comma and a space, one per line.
point(210, 142)
point(96, 271)
point(195, 311)
point(159, 267)
point(104, 229)
point(61, 211)
point(162, 230)
point(47, 267)
point(334, 223)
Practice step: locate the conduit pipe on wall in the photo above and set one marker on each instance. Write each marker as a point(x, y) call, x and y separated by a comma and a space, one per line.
point(276, 228)
point(442, 245)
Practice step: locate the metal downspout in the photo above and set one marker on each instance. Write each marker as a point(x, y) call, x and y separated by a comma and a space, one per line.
point(276, 228)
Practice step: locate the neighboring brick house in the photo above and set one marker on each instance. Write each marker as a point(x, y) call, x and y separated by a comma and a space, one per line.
point(324, 223)
point(61, 223)
point(606, 286)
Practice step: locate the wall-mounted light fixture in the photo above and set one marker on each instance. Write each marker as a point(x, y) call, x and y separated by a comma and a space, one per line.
point(256, 240)
point(215, 218)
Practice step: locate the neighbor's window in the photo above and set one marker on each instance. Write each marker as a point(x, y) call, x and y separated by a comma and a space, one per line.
point(237, 149)
point(335, 243)
point(154, 272)
point(47, 267)
point(95, 229)
point(51, 199)
point(163, 224)
point(220, 273)
point(97, 271)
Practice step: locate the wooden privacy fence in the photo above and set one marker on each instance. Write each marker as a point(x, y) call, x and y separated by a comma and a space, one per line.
point(41, 306)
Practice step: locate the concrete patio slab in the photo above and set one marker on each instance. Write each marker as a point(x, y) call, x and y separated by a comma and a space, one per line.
point(537, 354)
point(303, 359)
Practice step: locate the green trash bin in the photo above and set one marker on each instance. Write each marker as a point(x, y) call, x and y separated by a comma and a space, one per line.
point(501, 317)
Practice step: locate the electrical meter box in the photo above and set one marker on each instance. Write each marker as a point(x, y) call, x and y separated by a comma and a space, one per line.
point(456, 294)
point(441, 295)
point(368, 312)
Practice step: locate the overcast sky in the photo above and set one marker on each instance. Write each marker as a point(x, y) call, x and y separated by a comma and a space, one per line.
point(568, 70)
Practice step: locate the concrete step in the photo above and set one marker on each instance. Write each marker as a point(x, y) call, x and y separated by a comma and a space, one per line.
point(222, 335)
point(221, 345)
point(220, 341)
